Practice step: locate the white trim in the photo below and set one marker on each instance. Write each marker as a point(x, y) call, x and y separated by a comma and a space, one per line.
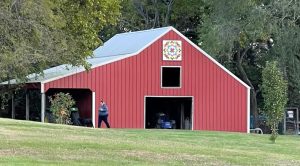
point(192, 107)
point(144, 112)
point(93, 109)
point(42, 87)
point(248, 110)
point(192, 113)
point(122, 57)
point(209, 57)
point(161, 78)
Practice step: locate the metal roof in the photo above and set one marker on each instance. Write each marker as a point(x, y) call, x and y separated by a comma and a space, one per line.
point(130, 42)
point(66, 70)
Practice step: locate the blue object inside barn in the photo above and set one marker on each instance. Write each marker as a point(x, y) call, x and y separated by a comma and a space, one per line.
point(164, 122)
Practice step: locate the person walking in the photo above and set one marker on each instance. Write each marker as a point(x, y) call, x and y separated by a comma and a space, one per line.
point(103, 114)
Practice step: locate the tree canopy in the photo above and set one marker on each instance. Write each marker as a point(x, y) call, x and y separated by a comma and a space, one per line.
point(287, 19)
point(145, 14)
point(243, 35)
point(239, 35)
point(35, 35)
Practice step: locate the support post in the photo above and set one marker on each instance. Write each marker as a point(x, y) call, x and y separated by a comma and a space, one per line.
point(284, 122)
point(93, 109)
point(43, 106)
point(13, 110)
point(27, 106)
point(297, 121)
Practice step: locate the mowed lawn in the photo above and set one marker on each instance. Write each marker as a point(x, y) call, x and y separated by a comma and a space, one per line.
point(33, 143)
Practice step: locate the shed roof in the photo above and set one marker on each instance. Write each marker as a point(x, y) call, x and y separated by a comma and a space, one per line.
point(66, 70)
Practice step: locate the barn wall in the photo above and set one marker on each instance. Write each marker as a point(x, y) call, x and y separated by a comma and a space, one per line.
point(219, 100)
point(84, 104)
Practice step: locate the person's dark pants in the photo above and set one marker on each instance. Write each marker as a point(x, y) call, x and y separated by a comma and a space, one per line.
point(103, 118)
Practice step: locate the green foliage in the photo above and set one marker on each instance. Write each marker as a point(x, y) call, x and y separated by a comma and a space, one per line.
point(233, 24)
point(232, 27)
point(84, 19)
point(236, 33)
point(24, 41)
point(61, 104)
point(274, 90)
point(287, 48)
point(187, 16)
point(145, 14)
point(35, 35)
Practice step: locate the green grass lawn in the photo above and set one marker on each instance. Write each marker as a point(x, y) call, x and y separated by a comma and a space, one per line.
point(33, 143)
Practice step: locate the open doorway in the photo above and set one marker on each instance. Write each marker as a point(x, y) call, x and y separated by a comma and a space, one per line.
point(81, 114)
point(168, 112)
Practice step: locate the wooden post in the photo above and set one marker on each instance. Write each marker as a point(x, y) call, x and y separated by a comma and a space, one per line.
point(43, 106)
point(284, 122)
point(13, 111)
point(297, 121)
point(27, 106)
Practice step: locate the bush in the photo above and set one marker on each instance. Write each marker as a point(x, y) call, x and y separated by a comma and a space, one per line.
point(61, 104)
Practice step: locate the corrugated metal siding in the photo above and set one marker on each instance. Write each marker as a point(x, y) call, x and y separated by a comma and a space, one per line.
point(85, 105)
point(219, 100)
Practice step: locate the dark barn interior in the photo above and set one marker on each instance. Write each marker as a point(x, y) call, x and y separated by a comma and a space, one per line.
point(176, 110)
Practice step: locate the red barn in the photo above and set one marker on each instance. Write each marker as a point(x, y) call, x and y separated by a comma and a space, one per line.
point(144, 74)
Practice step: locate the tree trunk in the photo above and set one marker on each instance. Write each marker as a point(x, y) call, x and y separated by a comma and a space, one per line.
point(253, 101)
point(169, 8)
point(253, 107)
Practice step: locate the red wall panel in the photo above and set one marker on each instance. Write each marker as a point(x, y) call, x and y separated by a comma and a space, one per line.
point(220, 101)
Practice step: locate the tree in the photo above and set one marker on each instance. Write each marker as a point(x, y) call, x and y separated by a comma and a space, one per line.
point(153, 13)
point(287, 14)
point(187, 16)
point(146, 14)
point(84, 20)
point(274, 90)
point(35, 35)
point(239, 35)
